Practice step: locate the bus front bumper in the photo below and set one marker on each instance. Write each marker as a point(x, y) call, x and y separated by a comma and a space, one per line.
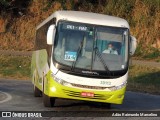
point(57, 90)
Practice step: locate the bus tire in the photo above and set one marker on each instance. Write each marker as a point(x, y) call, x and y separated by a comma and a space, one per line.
point(48, 101)
point(106, 105)
point(37, 92)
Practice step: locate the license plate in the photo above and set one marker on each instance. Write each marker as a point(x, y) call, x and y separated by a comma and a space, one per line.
point(87, 94)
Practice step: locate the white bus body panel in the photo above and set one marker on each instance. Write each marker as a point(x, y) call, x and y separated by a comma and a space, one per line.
point(87, 17)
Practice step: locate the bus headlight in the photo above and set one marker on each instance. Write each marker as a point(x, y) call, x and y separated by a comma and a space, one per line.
point(59, 80)
point(53, 89)
point(118, 87)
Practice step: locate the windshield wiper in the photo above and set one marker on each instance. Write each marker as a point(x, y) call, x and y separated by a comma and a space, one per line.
point(78, 53)
point(102, 60)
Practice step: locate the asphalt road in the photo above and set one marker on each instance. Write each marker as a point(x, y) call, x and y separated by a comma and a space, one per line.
point(22, 99)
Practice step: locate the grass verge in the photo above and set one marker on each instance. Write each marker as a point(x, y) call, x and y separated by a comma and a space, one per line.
point(15, 67)
point(142, 79)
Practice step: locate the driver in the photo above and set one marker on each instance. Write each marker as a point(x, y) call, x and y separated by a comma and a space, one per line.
point(110, 50)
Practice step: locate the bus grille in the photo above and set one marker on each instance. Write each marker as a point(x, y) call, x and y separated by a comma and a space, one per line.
point(88, 87)
point(78, 94)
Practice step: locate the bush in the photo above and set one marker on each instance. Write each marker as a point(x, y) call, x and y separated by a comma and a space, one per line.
point(13, 7)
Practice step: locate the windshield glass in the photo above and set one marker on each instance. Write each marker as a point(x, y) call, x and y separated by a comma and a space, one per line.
point(91, 47)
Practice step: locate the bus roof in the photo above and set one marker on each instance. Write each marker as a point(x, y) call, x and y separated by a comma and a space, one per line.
point(87, 17)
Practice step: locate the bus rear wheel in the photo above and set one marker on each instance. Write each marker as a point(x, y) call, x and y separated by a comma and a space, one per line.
point(37, 92)
point(48, 101)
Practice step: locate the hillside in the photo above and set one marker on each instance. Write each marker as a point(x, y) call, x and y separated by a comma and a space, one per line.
point(17, 26)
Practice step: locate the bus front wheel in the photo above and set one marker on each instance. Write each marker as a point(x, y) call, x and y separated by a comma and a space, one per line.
point(48, 101)
point(107, 105)
point(37, 92)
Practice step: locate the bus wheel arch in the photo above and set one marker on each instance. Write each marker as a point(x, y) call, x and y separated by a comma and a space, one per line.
point(37, 92)
point(47, 100)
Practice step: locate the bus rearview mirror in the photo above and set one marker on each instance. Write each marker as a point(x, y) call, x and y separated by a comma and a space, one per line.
point(51, 34)
point(133, 45)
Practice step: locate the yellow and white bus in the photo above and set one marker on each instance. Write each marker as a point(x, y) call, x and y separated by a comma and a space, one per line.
point(69, 59)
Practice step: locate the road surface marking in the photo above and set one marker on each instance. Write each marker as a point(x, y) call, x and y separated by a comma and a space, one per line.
point(8, 97)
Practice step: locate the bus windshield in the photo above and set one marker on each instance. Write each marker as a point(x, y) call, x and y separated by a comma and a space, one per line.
point(91, 47)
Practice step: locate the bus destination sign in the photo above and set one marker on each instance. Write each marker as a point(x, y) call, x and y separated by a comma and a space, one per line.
point(75, 27)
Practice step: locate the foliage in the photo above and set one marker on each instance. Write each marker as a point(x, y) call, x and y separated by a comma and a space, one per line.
point(13, 6)
point(154, 54)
